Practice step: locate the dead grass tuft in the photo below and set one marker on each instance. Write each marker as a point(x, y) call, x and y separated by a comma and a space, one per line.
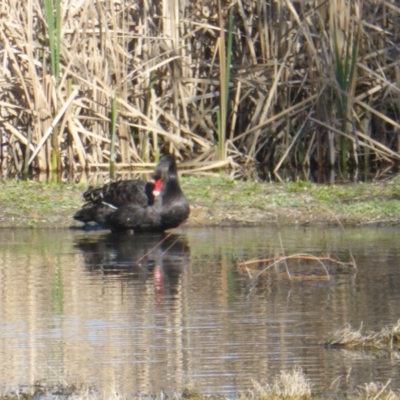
point(377, 391)
point(387, 339)
point(287, 385)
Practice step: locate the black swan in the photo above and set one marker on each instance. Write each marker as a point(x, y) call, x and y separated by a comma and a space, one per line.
point(138, 206)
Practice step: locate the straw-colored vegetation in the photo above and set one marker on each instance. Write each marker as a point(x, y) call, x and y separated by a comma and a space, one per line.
point(372, 390)
point(387, 339)
point(288, 385)
point(292, 385)
point(223, 83)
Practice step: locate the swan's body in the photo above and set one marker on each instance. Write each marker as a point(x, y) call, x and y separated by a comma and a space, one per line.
point(137, 205)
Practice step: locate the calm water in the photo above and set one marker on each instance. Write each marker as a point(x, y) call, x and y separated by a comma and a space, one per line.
point(141, 314)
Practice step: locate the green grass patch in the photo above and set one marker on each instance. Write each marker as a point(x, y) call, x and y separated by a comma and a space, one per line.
point(28, 195)
point(217, 198)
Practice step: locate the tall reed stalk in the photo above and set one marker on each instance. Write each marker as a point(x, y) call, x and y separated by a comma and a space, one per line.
point(225, 56)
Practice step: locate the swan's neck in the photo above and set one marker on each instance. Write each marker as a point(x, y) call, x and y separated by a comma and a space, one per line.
point(170, 190)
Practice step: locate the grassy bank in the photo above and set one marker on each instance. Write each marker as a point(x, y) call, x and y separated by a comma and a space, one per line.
point(220, 201)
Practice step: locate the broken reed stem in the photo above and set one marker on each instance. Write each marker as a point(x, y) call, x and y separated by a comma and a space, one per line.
point(54, 123)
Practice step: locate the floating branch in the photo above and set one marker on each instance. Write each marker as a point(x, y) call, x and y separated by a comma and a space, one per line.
point(308, 267)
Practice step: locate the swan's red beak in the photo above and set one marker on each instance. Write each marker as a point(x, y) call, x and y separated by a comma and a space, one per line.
point(157, 187)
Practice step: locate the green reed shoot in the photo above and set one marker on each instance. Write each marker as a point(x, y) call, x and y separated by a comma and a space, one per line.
point(113, 128)
point(52, 12)
point(345, 68)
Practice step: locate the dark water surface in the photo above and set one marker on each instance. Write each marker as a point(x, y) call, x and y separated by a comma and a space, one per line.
point(141, 314)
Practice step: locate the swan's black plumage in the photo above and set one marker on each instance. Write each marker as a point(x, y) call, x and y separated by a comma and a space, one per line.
point(135, 205)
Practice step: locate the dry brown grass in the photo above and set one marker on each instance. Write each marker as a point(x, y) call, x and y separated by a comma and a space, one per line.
point(293, 385)
point(375, 391)
point(287, 385)
point(294, 92)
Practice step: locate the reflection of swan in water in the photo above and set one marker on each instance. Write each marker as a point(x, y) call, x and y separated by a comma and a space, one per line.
point(162, 256)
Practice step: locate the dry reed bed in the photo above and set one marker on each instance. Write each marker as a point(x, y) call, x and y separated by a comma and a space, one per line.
point(223, 84)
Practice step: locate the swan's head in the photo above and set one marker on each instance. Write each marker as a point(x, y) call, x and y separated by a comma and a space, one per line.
point(164, 171)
